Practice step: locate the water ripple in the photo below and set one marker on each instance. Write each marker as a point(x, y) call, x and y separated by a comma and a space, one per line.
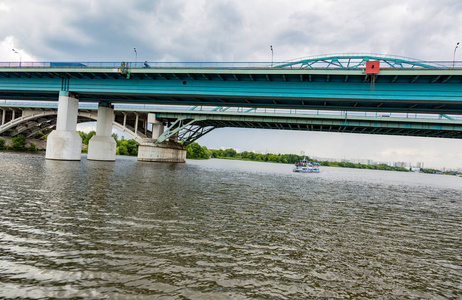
point(225, 230)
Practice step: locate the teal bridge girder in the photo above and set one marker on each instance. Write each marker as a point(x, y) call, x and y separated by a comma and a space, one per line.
point(192, 125)
point(403, 85)
point(189, 124)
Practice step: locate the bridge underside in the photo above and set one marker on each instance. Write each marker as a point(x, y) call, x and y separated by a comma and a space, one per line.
point(38, 122)
point(197, 124)
point(191, 125)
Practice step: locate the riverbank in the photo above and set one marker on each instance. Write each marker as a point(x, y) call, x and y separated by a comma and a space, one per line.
point(293, 158)
point(8, 142)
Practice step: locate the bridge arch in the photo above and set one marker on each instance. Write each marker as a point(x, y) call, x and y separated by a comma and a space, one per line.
point(357, 61)
point(39, 123)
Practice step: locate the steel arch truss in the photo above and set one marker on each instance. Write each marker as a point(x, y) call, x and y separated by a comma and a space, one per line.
point(193, 132)
point(185, 129)
point(355, 62)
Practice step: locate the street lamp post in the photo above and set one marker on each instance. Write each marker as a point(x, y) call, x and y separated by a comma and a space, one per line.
point(271, 47)
point(20, 57)
point(454, 58)
point(136, 56)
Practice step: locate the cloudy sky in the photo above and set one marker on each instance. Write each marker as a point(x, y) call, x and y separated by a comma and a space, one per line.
point(231, 30)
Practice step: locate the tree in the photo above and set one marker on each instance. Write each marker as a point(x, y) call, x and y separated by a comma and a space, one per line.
point(88, 137)
point(32, 147)
point(132, 147)
point(122, 150)
point(230, 152)
point(195, 151)
point(127, 147)
point(2, 144)
point(213, 153)
point(19, 143)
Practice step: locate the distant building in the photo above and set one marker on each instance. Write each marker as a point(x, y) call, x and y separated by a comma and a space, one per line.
point(401, 164)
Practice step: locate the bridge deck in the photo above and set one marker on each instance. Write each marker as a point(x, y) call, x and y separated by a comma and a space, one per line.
point(415, 90)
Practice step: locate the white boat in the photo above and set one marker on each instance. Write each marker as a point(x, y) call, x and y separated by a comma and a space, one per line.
point(306, 166)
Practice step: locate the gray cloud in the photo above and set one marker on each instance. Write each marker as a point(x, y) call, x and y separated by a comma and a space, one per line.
point(229, 30)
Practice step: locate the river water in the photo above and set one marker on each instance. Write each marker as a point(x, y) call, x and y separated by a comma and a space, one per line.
point(221, 229)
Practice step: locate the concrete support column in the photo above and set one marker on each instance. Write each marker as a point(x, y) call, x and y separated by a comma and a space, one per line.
point(3, 116)
point(157, 126)
point(163, 152)
point(65, 143)
point(102, 146)
point(136, 123)
point(167, 151)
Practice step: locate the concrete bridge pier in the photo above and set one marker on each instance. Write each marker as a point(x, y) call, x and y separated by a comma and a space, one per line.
point(165, 151)
point(65, 143)
point(102, 146)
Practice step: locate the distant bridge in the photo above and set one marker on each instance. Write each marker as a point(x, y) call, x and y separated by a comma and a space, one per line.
point(38, 120)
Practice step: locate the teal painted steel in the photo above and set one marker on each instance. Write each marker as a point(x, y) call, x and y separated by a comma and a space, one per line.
point(341, 85)
point(209, 120)
point(351, 61)
point(317, 95)
point(191, 125)
point(358, 61)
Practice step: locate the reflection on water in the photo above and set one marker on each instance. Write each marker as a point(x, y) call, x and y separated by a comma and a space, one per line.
point(225, 230)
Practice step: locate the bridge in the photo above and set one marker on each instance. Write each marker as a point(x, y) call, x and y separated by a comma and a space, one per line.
point(330, 83)
point(190, 123)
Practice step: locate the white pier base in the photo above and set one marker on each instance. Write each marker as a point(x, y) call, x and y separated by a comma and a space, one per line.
point(102, 146)
point(65, 143)
point(163, 152)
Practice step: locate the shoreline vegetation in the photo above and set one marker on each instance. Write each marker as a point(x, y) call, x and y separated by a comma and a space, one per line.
point(195, 151)
point(19, 144)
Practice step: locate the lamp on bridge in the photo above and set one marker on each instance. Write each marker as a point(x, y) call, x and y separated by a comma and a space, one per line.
point(271, 47)
point(20, 57)
point(454, 58)
point(136, 56)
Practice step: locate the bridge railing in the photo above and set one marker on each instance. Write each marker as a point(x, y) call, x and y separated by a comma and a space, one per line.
point(220, 65)
point(369, 114)
point(140, 65)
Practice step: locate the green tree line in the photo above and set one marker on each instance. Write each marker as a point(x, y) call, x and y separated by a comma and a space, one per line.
point(384, 167)
point(124, 147)
point(196, 151)
point(18, 144)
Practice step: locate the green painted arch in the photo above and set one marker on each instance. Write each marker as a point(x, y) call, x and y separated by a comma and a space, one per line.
point(358, 61)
